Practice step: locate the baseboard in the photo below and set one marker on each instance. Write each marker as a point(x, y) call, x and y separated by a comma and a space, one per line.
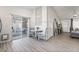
point(50, 37)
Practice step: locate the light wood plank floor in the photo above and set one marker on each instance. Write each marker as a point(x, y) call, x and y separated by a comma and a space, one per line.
point(61, 43)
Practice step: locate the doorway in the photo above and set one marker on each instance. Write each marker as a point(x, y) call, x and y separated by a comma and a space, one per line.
point(20, 27)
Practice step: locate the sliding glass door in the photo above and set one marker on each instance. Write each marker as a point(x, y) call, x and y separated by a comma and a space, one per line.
point(20, 27)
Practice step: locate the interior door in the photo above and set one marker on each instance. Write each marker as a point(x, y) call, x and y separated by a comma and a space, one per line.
point(66, 25)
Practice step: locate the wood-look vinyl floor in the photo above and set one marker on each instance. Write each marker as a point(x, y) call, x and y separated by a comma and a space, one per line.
point(60, 43)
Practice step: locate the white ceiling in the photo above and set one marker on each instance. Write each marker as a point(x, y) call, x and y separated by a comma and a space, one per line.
point(66, 12)
point(24, 7)
point(63, 12)
point(29, 7)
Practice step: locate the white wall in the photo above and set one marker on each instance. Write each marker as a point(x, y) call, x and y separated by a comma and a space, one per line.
point(66, 25)
point(51, 16)
point(5, 15)
point(36, 19)
point(50, 21)
point(33, 18)
point(38, 13)
point(44, 17)
point(44, 21)
point(75, 23)
point(6, 22)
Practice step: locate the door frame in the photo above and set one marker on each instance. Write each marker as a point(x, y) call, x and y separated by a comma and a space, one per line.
point(21, 19)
